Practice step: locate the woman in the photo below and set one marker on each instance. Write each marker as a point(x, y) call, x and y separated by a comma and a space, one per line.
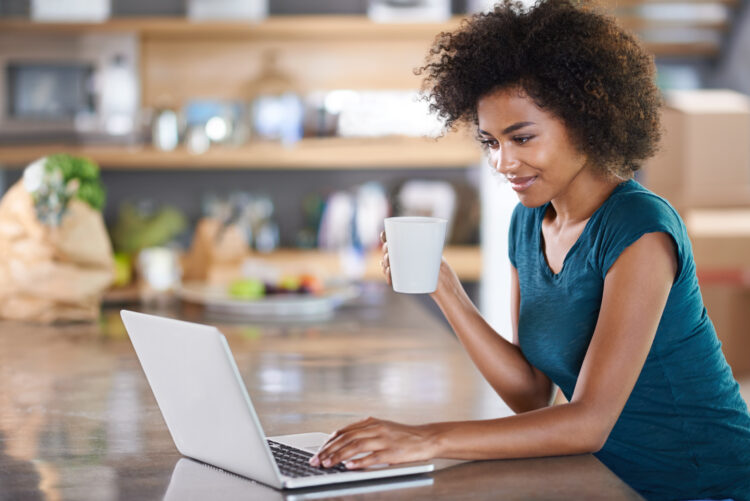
point(605, 300)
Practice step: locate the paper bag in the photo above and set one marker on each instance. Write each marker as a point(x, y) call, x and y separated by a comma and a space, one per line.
point(216, 253)
point(49, 273)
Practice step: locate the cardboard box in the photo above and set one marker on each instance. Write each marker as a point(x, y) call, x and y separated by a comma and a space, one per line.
point(720, 238)
point(704, 157)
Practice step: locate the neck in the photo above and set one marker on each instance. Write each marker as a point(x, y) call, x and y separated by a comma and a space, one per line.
point(586, 193)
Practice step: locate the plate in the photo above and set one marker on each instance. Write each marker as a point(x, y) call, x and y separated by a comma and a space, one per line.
point(217, 300)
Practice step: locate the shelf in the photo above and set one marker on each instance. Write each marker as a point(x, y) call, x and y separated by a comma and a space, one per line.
point(453, 150)
point(346, 27)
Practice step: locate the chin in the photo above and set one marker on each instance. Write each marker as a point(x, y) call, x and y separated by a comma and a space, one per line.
point(531, 202)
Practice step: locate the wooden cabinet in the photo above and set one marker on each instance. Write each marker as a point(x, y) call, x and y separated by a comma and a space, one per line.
point(182, 60)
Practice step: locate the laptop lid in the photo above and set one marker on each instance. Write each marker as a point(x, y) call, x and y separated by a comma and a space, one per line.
point(201, 395)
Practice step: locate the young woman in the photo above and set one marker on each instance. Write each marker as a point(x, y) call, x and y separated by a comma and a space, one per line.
point(605, 298)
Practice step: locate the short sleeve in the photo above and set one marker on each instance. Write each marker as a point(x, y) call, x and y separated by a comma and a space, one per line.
point(630, 217)
point(513, 235)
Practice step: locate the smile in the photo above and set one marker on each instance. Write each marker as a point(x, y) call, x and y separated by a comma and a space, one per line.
point(521, 183)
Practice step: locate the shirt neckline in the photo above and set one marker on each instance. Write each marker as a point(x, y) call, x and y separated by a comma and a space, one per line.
point(539, 237)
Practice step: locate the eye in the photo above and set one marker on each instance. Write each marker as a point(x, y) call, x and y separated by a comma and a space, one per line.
point(489, 143)
point(521, 139)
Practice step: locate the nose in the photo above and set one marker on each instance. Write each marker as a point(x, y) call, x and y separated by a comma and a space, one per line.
point(503, 160)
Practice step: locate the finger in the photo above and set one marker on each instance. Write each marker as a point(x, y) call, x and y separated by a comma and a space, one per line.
point(341, 431)
point(326, 456)
point(388, 275)
point(375, 458)
point(343, 438)
point(351, 449)
point(382, 236)
point(331, 437)
point(385, 262)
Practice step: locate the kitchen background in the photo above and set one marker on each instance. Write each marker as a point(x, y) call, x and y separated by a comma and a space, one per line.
point(298, 123)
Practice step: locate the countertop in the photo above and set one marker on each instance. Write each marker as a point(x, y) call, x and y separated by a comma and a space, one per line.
point(78, 420)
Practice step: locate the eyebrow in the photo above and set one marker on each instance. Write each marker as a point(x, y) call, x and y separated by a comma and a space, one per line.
point(509, 129)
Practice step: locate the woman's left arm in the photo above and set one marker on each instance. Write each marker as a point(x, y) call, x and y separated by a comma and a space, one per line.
point(636, 289)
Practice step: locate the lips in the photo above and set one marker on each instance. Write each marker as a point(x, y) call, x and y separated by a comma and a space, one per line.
point(521, 183)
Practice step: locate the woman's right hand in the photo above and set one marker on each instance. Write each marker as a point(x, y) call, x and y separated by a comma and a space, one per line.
point(447, 278)
point(385, 265)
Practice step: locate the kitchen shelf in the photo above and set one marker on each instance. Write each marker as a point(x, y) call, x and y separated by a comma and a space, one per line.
point(453, 150)
point(345, 27)
point(351, 28)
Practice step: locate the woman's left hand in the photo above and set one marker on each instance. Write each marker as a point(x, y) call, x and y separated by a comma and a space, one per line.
point(385, 441)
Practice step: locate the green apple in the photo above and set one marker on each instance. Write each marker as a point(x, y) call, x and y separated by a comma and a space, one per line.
point(247, 288)
point(123, 269)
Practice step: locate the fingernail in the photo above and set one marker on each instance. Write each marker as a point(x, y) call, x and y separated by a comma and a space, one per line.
point(314, 461)
point(349, 464)
point(327, 463)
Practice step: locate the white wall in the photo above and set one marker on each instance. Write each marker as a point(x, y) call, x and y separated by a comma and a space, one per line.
point(497, 203)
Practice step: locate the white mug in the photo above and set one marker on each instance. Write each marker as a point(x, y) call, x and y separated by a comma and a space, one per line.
point(415, 250)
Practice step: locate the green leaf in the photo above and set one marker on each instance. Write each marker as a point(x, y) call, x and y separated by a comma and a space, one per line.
point(91, 189)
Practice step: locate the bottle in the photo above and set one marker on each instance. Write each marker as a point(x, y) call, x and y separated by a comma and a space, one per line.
point(165, 130)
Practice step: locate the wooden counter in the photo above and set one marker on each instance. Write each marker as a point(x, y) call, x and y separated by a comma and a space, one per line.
point(78, 421)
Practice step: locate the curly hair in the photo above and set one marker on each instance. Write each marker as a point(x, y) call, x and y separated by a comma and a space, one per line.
point(571, 60)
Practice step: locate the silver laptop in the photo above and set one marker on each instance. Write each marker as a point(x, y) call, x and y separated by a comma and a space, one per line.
point(192, 480)
point(203, 399)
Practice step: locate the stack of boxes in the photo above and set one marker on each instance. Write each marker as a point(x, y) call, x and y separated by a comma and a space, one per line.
point(703, 169)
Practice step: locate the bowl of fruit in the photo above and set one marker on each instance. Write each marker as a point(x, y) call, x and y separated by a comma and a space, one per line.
point(290, 296)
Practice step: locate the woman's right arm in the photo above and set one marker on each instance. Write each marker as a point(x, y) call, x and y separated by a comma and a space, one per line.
point(521, 385)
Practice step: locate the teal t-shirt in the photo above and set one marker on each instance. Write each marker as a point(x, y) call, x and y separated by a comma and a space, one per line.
point(685, 430)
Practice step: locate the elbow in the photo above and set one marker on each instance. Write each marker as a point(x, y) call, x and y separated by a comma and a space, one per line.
point(587, 442)
point(600, 436)
point(595, 430)
point(597, 443)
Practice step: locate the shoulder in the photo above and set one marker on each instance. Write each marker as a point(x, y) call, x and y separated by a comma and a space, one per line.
point(636, 207)
point(631, 212)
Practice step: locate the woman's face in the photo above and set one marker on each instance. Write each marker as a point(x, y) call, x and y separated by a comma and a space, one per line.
point(529, 146)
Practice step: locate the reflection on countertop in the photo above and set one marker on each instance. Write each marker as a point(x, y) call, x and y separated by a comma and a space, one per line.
point(78, 420)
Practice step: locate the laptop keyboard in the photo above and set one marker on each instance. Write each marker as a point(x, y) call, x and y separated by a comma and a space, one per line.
point(295, 462)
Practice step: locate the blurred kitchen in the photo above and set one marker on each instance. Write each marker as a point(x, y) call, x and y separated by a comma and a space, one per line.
point(245, 148)
point(238, 157)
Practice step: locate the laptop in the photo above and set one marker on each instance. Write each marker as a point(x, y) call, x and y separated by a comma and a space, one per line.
point(208, 412)
point(192, 480)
